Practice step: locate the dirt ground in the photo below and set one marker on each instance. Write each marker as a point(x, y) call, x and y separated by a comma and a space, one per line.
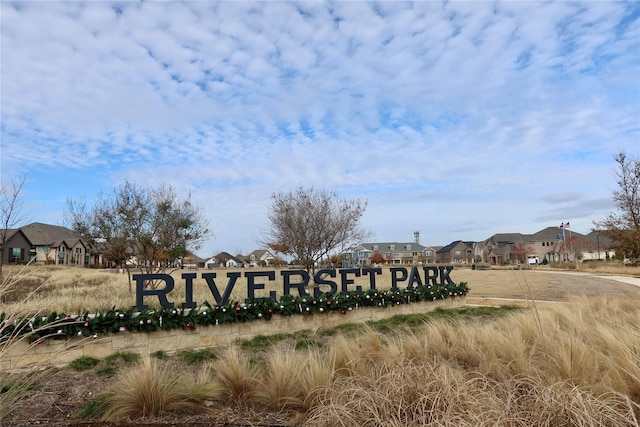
point(61, 392)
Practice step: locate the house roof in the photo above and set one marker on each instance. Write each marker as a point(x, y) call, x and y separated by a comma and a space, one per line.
point(237, 260)
point(507, 237)
point(259, 253)
point(193, 257)
point(226, 256)
point(223, 256)
point(552, 233)
point(597, 238)
point(452, 245)
point(40, 234)
point(386, 246)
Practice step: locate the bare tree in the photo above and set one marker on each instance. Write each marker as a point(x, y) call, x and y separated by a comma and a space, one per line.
point(521, 251)
point(623, 224)
point(10, 211)
point(146, 229)
point(308, 224)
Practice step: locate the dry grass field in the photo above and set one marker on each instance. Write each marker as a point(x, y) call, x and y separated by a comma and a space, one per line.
point(72, 290)
point(572, 363)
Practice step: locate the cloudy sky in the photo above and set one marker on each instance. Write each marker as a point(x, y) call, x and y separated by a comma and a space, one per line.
point(457, 119)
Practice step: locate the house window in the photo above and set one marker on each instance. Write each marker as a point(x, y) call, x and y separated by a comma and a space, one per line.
point(361, 254)
point(375, 247)
point(458, 252)
point(16, 254)
point(428, 253)
point(392, 247)
point(42, 249)
point(408, 247)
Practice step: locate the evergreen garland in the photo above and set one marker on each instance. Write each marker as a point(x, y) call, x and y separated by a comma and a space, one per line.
point(62, 326)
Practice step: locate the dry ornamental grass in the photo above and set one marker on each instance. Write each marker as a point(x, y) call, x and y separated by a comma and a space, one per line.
point(574, 363)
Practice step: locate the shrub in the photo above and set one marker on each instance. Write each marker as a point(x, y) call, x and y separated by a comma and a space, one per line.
point(84, 363)
point(193, 357)
point(151, 390)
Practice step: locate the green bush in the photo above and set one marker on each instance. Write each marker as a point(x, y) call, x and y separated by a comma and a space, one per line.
point(194, 357)
point(84, 363)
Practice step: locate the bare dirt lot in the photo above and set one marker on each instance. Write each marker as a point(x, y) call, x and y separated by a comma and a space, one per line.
point(60, 393)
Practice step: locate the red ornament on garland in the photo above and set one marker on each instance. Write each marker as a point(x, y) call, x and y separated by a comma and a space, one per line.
point(188, 325)
point(238, 308)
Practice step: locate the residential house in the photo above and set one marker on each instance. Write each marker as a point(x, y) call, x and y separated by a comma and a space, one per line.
point(211, 263)
point(392, 252)
point(566, 245)
point(224, 259)
point(17, 247)
point(550, 244)
point(456, 253)
point(261, 258)
point(191, 261)
point(40, 242)
point(597, 247)
point(498, 248)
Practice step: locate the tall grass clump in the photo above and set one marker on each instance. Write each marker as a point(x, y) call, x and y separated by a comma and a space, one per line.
point(294, 379)
point(565, 364)
point(153, 389)
point(280, 385)
point(238, 373)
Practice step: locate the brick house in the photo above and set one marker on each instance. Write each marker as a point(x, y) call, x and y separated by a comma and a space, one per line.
point(457, 252)
point(47, 243)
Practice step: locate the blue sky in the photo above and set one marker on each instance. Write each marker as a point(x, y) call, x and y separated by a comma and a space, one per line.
point(457, 119)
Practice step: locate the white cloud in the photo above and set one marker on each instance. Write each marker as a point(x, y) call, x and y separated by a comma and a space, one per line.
point(450, 117)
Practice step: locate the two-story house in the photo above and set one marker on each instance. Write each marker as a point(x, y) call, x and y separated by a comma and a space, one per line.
point(498, 248)
point(550, 244)
point(456, 252)
point(47, 243)
point(260, 258)
point(392, 252)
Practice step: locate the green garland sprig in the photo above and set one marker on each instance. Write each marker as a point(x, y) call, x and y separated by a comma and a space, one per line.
point(62, 326)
